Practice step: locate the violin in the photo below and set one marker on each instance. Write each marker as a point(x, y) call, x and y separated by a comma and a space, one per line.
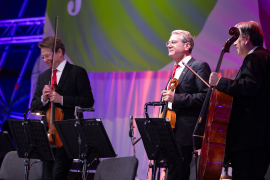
point(168, 113)
point(52, 134)
point(53, 113)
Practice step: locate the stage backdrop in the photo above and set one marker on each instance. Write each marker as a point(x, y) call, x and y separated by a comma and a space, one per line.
point(121, 43)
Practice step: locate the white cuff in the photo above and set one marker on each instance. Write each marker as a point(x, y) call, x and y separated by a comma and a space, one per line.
point(218, 81)
point(44, 103)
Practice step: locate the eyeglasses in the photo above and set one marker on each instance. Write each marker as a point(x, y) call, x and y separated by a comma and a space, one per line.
point(46, 56)
point(173, 43)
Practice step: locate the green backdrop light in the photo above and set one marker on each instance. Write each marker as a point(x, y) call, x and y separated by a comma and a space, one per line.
point(125, 35)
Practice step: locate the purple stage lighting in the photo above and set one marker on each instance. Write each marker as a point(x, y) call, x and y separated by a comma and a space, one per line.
point(21, 39)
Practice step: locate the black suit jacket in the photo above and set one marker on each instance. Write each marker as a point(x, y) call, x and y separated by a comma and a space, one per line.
point(73, 85)
point(249, 126)
point(188, 100)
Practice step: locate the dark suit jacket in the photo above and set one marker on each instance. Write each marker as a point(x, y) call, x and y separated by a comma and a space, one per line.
point(249, 126)
point(73, 85)
point(188, 100)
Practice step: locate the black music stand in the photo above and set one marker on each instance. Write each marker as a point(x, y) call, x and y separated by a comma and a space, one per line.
point(6, 145)
point(31, 141)
point(158, 140)
point(85, 138)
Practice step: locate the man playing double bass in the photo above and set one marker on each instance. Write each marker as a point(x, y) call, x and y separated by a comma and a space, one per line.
point(187, 100)
point(248, 136)
point(73, 90)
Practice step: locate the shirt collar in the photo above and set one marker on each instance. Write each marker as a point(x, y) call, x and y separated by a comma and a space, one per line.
point(252, 50)
point(61, 66)
point(185, 60)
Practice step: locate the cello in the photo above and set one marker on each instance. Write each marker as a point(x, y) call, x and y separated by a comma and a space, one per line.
point(54, 113)
point(217, 121)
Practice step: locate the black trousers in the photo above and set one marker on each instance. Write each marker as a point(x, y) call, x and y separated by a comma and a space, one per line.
point(58, 169)
point(180, 169)
point(250, 164)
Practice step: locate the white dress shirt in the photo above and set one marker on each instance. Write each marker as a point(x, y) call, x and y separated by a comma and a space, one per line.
point(252, 50)
point(178, 72)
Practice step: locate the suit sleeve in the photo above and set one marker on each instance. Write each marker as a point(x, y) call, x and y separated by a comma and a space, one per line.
point(196, 99)
point(253, 74)
point(84, 96)
point(36, 101)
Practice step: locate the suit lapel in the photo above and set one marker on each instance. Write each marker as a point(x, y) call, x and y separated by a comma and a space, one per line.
point(64, 75)
point(185, 70)
point(238, 73)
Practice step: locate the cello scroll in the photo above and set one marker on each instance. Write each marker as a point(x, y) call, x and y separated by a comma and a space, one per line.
point(233, 31)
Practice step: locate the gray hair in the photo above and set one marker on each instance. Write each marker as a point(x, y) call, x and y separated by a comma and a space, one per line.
point(254, 30)
point(185, 37)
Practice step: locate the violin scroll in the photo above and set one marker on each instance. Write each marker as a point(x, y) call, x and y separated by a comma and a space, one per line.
point(174, 83)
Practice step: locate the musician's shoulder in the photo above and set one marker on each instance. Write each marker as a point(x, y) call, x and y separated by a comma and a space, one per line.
point(199, 62)
point(45, 73)
point(76, 67)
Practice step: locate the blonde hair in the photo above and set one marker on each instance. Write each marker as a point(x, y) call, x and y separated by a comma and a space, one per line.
point(185, 37)
point(48, 43)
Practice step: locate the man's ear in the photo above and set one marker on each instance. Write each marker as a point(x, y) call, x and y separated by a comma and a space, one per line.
point(187, 46)
point(60, 51)
point(247, 39)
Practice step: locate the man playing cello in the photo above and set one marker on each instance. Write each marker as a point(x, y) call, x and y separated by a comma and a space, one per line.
point(248, 136)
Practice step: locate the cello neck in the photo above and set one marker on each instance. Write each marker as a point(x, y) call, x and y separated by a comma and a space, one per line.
point(220, 60)
point(235, 33)
point(226, 48)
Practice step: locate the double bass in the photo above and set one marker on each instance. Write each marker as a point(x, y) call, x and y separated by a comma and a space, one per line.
point(217, 121)
point(54, 113)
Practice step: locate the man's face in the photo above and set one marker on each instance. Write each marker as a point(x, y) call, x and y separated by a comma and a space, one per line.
point(47, 56)
point(240, 45)
point(175, 47)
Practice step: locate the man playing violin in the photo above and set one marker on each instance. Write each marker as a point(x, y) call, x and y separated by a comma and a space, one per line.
point(73, 89)
point(248, 137)
point(186, 100)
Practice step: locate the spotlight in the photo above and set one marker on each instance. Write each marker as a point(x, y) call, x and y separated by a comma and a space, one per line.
point(33, 111)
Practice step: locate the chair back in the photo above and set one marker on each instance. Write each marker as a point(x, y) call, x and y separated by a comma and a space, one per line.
point(117, 168)
point(13, 168)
